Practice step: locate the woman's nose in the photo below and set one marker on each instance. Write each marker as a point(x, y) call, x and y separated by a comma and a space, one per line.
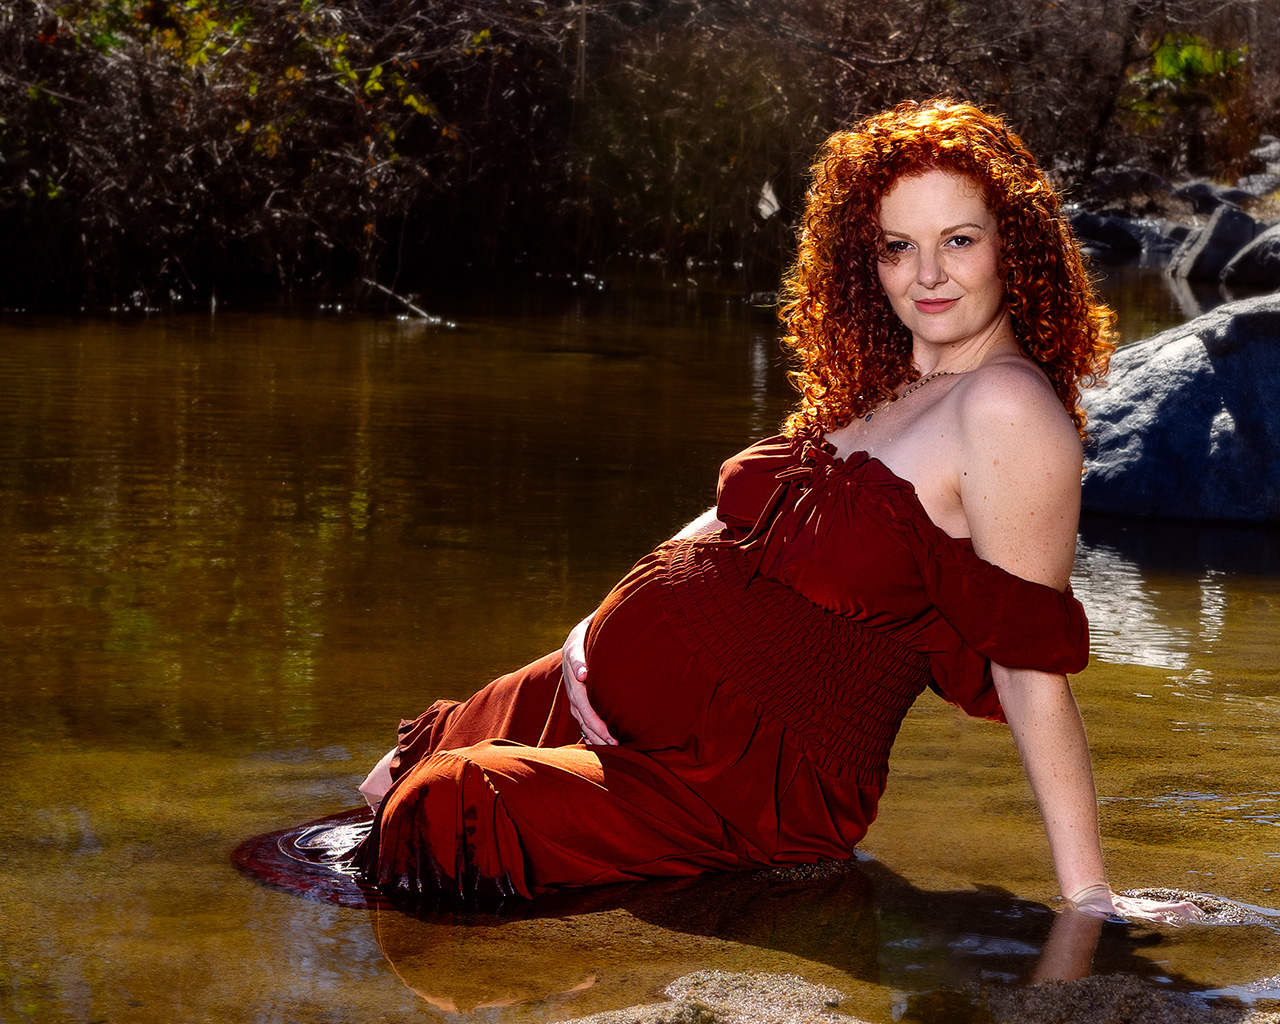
point(929, 269)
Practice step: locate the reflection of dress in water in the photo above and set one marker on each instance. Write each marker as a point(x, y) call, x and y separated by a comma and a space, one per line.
point(755, 682)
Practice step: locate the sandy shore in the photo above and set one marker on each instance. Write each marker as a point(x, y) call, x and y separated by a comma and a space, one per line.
point(722, 997)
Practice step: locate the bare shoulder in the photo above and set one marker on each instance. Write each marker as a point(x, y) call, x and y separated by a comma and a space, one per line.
point(1020, 466)
point(1011, 404)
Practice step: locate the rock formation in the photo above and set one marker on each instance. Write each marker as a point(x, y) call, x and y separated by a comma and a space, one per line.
point(1257, 265)
point(1189, 425)
point(1204, 253)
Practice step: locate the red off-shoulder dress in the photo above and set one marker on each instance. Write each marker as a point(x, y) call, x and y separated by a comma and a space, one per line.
point(755, 682)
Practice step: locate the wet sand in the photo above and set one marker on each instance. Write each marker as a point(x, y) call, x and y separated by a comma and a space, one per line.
point(722, 997)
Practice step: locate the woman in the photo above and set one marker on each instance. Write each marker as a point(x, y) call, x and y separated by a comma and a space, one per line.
point(733, 700)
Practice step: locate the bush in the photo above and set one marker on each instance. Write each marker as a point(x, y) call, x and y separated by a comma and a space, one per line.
point(152, 150)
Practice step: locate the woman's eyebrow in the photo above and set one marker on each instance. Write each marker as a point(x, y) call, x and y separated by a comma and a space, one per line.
point(944, 231)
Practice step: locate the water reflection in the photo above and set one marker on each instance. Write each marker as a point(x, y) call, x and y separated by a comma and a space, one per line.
point(1148, 301)
point(859, 919)
point(584, 949)
point(1161, 594)
point(1145, 299)
point(1128, 624)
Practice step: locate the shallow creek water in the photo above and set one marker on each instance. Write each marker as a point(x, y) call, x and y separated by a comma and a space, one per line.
point(236, 548)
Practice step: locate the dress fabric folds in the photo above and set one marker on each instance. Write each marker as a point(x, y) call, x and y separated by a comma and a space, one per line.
point(755, 681)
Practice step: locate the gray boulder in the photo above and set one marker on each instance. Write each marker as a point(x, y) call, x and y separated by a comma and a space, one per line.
point(1258, 263)
point(1121, 234)
point(1204, 253)
point(1162, 235)
point(1176, 233)
point(1189, 425)
point(1126, 180)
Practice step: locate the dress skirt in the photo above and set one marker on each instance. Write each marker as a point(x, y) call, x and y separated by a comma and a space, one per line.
point(498, 795)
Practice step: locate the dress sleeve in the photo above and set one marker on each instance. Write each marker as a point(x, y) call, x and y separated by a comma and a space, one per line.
point(962, 676)
point(748, 480)
point(990, 615)
point(1012, 621)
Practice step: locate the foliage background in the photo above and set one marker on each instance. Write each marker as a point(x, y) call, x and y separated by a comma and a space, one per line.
point(154, 151)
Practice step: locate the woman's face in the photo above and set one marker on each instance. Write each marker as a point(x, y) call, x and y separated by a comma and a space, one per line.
point(941, 268)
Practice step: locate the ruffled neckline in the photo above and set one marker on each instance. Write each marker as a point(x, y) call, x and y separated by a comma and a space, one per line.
point(814, 440)
point(816, 450)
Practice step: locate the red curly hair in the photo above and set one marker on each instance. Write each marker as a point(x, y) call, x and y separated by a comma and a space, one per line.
point(851, 348)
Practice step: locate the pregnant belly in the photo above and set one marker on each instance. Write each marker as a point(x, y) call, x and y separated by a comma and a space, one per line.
point(735, 754)
point(641, 677)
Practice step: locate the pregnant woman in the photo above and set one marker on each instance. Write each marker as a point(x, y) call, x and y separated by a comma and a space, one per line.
point(733, 701)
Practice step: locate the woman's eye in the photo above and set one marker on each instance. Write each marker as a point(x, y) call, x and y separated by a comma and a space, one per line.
point(896, 248)
point(959, 241)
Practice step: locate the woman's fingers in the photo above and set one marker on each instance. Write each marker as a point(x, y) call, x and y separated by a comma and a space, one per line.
point(1098, 900)
point(593, 728)
point(573, 656)
point(378, 781)
point(573, 670)
point(1137, 909)
point(1133, 908)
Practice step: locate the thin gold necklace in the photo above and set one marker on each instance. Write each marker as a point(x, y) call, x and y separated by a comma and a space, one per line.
point(921, 383)
point(914, 387)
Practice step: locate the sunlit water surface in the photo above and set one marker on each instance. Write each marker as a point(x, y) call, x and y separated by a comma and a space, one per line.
point(236, 548)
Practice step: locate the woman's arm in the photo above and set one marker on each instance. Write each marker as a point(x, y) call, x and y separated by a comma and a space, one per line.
point(1020, 490)
point(1046, 726)
point(573, 658)
point(708, 522)
point(1019, 483)
point(1047, 729)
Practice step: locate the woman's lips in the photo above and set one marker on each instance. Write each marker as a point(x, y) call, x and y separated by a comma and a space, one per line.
point(935, 305)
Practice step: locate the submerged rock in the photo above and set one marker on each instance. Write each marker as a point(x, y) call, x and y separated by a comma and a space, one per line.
point(1116, 999)
point(727, 997)
point(1189, 425)
point(1215, 909)
point(731, 997)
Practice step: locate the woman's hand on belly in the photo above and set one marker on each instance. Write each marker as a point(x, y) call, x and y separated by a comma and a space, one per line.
point(573, 670)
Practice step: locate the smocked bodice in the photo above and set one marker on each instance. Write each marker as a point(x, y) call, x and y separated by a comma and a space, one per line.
point(853, 538)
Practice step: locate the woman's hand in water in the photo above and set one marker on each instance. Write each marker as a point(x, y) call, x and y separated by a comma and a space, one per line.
point(1099, 901)
point(1073, 939)
point(573, 669)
